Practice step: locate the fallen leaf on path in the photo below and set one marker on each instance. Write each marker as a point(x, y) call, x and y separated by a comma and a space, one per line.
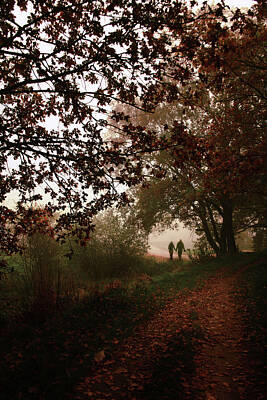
point(120, 370)
point(210, 396)
point(99, 356)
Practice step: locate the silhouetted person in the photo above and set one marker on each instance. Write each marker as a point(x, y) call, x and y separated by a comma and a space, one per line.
point(179, 249)
point(171, 248)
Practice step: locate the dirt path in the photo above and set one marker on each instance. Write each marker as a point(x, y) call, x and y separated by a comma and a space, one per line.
point(221, 359)
point(192, 349)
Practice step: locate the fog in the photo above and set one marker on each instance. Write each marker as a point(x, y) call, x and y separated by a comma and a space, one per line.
point(159, 241)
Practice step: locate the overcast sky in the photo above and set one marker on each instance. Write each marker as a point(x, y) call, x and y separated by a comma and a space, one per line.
point(240, 3)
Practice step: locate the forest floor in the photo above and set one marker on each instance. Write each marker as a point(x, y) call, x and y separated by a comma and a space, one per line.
point(193, 332)
point(202, 345)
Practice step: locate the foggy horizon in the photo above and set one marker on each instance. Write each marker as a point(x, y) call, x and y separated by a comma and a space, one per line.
point(159, 241)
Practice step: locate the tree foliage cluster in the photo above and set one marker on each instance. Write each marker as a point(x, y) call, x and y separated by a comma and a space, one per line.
point(214, 175)
point(63, 63)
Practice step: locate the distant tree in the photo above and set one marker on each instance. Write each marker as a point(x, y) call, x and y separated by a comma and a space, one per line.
point(115, 247)
point(120, 229)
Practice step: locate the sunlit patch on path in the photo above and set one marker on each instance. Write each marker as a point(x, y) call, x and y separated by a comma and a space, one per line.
point(195, 348)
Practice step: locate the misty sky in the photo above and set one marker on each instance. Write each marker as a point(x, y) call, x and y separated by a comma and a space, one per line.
point(159, 242)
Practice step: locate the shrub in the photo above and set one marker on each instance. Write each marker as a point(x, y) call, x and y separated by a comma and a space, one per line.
point(115, 249)
point(201, 252)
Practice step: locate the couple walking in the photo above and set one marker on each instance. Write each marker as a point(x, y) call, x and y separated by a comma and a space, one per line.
point(179, 248)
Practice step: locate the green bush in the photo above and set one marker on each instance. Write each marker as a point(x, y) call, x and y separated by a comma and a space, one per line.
point(202, 251)
point(115, 249)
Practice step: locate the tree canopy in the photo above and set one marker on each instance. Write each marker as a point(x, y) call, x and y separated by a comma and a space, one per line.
point(214, 177)
point(64, 62)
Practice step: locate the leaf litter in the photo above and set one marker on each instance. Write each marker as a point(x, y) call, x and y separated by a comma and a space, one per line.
point(195, 348)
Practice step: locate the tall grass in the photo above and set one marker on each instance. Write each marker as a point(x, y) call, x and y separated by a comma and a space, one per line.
point(44, 282)
point(96, 262)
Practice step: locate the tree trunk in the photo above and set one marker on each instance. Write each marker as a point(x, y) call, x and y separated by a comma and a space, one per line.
point(227, 229)
point(223, 243)
point(208, 234)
